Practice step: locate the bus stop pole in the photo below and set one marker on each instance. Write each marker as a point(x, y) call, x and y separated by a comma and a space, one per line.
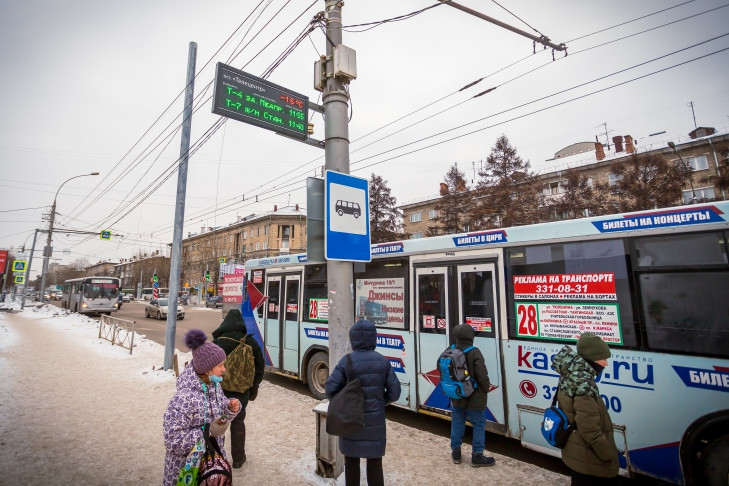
point(336, 155)
point(176, 255)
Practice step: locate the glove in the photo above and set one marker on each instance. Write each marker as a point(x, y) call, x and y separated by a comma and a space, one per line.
point(254, 393)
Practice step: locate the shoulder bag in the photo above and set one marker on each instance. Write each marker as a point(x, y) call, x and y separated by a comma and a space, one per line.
point(346, 409)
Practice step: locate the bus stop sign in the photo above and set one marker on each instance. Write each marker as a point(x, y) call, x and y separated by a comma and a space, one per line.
point(347, 218)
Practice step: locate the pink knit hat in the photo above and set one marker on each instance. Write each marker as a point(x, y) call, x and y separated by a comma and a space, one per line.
point(205, 355)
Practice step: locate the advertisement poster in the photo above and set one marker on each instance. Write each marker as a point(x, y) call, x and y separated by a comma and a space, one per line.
point(568, 321)
point(565, 286)
point(318, 310)
point(479, 324)
point(3, 260)
point(232, 288)
point(382, 301)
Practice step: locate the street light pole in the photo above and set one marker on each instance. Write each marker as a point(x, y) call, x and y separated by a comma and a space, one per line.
point(691, 179)
point(47, 249)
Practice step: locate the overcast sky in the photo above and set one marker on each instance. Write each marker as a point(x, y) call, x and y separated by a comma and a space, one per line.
point(85, 85)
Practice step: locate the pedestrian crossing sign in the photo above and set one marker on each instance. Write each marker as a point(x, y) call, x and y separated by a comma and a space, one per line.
point(19, 265)
point(221, 261)
point(20, 279)
point(105, 235)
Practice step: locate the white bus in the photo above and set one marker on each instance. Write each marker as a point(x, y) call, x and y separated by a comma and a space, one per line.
point(91, 295)
point(653, 284)
point(148, 292)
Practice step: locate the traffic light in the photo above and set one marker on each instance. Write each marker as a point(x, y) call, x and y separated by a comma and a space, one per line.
point(154, 277)
point(310, 128)
point(207, 276)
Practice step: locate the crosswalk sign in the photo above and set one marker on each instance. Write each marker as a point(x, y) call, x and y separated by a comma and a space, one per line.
point(221, 261)
point(19, 266)
point(105, 235)
point(20, 279)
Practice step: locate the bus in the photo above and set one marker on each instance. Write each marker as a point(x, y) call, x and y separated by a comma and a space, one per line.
point(653, 284)
point(147, 292)
point(91, 295)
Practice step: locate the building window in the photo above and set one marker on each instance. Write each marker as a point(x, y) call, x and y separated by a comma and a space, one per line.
point(265, 230)
point(284, 244)
point(245, 234)
point(244, 249)
point(702, 194)
point(589, 182)
point(432, 214)
point(416, 217)
point(258, 245)
point(613, 179)
point(698, 163)
point(265, 245)
point(258, 231)
point(417, 235)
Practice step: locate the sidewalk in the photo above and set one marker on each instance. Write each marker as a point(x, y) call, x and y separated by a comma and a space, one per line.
point(75, 409)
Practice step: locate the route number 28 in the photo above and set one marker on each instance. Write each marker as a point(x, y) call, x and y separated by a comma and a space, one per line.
point(527, 319)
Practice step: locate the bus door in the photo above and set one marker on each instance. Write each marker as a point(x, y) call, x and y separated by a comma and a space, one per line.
point(281, 321)
point(449, 295)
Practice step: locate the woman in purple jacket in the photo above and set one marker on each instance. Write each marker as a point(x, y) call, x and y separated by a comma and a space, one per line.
point(199, 400)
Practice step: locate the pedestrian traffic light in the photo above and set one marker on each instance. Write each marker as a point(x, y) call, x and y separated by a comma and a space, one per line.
point(154, 277)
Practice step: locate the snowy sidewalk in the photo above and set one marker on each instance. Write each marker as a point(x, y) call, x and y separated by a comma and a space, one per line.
point(76, 410)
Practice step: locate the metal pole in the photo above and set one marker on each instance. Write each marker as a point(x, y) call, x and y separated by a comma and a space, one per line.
point(175, 257)
point(27, 270)
point(336, 153)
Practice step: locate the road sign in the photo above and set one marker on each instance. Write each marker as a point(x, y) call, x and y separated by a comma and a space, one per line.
point(19, 265)
point(105, 235)
point(250, 99)
point(20, 279)
point(347, 218)
point(221, 261)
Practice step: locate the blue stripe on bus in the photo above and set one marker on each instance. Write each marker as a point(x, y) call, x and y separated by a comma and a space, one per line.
point(627, 386)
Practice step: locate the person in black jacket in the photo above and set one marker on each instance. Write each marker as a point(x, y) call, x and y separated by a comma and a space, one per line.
point(234, 327)
point(381, 387)
point(473, 406)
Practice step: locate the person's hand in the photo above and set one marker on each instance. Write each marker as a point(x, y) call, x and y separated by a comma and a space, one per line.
point(234, 405)
point(254, 393)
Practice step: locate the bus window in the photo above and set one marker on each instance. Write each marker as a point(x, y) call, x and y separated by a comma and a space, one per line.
point(380, 290)
point(316, 304)
point(569, 279)
point(272, 302)
point(292, 300)
point(477, 302)
point(675, 250)
point(431, 303)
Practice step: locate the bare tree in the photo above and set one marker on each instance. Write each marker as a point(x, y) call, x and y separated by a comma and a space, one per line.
point(721, 179)
point(455, 208)
point(385, 218)
point(647, 181)
point(583, 197)
point(508, 191)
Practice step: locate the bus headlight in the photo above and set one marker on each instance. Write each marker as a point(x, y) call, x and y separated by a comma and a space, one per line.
point(84, 305)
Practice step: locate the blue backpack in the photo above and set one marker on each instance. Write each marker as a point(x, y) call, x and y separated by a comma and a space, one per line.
point(454, 377)
point(556, 429)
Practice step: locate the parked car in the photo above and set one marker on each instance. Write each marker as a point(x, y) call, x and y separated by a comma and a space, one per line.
point(157, 308)
point(215, 301)
point(127, 297)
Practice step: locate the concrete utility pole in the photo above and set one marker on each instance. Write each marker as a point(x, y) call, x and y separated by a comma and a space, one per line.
point(27, 271)
point(176, 255)
point(336, 156)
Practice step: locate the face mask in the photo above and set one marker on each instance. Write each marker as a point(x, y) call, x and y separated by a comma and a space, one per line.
point(214, 379)
point(598, 368)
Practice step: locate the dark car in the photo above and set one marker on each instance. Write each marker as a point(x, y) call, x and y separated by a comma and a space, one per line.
point(215, 301)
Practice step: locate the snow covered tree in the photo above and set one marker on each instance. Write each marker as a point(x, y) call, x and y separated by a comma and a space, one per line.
point(385, 218)
point(455, 209)
point(508, 192)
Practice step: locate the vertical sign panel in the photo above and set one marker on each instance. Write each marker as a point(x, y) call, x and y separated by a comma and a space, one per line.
point(347, 221)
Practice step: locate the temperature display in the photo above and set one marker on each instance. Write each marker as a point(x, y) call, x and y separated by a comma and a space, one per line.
point(253, 100)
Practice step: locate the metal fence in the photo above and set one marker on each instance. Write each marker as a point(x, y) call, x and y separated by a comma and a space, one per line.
point(117, 331)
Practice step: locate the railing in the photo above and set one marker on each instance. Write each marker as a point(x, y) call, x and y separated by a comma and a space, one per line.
point(117, 331)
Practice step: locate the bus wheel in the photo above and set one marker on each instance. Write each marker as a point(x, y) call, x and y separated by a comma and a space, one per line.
point(317, 373)
point(715, 462)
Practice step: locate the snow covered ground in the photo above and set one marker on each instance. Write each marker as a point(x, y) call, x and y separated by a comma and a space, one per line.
point(76, 410)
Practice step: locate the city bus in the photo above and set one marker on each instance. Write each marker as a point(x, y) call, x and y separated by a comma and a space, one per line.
point(91, 295)
point(653, 284)
point(148, 292)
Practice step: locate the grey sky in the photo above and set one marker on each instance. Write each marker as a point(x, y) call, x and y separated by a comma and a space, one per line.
point(83, 80)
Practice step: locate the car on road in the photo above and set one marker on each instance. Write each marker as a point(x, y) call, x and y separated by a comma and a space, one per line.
point(57, 295)
point(158, 309)
point(127, 297)
point(214, 301)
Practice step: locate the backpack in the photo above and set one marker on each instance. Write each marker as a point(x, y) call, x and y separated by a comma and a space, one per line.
point(556, 428)
point(454, 377)
point(240, 368)
point(214, 468)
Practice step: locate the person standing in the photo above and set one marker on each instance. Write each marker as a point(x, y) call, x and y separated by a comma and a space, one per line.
point(198, 401)
point(590, 452)
point(472, 407)
point(381, 387)
point(227, 336)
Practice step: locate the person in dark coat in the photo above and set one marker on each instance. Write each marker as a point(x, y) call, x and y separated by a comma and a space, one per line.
point(381, 387)
point(590, 451)
point(234, 327)
point(474, 405)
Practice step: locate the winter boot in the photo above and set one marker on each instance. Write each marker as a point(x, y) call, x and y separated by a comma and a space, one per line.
point(239, 462)
point(456, 455)
point(479, 460)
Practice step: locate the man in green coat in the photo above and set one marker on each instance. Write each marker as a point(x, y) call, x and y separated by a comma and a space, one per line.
point(590, 451)
point(227, 335)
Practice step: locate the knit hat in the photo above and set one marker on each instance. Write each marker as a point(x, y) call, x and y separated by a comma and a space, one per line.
point(592, 347)
point(205, 356)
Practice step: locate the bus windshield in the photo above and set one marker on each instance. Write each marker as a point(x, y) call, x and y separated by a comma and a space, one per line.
point(101, 290)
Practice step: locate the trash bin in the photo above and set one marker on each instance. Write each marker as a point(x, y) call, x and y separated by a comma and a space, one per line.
point(329, 461)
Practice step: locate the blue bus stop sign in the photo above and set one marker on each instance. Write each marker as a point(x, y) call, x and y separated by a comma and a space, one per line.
point(347, 218)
